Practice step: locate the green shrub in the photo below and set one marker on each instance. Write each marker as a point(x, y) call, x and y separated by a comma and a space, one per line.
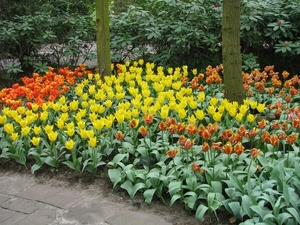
point(55, 33)
point(172, 32)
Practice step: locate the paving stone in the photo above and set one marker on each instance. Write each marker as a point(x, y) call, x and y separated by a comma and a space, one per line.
point(94, 213)
point(130, 217)
point(4, 198)
point(10, 186)
point(9, 217)
point(39, 217)
point(20, 205)
point(59, 197)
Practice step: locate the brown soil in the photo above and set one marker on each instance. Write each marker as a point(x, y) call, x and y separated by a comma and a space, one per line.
point(177, 215)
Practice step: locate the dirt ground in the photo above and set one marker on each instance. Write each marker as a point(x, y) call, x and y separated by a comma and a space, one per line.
point(65, 177)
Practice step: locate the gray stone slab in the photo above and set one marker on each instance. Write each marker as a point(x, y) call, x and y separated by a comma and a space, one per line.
point(4, 198)
point(93, 213)
point(20, 205)
point(59, 197)
point(11, 186)
point(39, 217)
point(9, 217)
point(130, 217)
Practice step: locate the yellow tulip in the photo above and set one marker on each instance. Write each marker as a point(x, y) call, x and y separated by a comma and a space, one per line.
point(83, 133)
point(81, 124)
point(250, 118)
point(98, 124)
point(192, 119)
point(36, 130)
point(243, 109)
point(60, 123)
point(35, 141)
point(92, 142)
point(35, 107)
point(201, 96)
point(9, 128)
point(2, 119)
point(25, 130)
point(232, 112)
point(260, 107)
point(62, 99)
point(73, 105)
point(93, 117)
point(64, 108)
point(239, 117)
point(211, 110)
point(21, 110)
point(44, 115)
point(199, 114)
point(52, 136)
point(70, 144)
point(90, 133)
point(217, 116)
point(213, 101)
point(14, 136)
point(48, 128)
point(181, 113)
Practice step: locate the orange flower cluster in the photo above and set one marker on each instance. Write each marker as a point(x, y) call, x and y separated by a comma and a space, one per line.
point(39, 89)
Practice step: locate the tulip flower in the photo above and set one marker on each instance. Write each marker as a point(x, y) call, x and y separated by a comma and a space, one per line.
point(35, 141)
point(70, 144)
point(52, 136)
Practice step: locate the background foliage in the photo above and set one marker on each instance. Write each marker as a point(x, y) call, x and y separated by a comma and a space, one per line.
point(188, 32)
point(167, 32)
point(34, 36)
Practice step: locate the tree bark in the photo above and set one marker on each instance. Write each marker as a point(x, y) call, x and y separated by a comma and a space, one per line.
point(231, 52)
point(103, 37)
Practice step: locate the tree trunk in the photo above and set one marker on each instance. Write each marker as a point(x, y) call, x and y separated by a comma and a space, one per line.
point(103, 38)
point(231, 53)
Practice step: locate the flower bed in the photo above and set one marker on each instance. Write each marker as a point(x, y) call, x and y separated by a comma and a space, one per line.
point(159, 131)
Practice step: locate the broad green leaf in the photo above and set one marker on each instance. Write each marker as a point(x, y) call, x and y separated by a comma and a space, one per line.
point(282, 217)
point(236, 183)
point(200, 212)
point(295, 214)
point(129, 147)
point(132, 189)
point(115, 176)
point(216, 186)
point(148, 195)
point(174, 187)
point(35, 167)
point(174, 199)
point(236, 209)
point(259, 210)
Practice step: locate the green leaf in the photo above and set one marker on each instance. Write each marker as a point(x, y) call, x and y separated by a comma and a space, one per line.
point(115, 176)
point(217, 186)
point(259, 210)
point(230, 192)
point(148, 195)
point(174, 187)
point(174, 199)
point(129, 147)
point(131, 190)
point(51, 161)
point(295, 214)
point(236, 183)
point(236, 209)
point(35, 167)
point(200, 212)
point(282, 217)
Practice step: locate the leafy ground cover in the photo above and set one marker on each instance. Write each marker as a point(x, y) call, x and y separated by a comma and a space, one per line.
point(165, 132)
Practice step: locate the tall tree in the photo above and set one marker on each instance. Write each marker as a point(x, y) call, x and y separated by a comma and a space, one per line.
point(231, 52)
point(103, 37)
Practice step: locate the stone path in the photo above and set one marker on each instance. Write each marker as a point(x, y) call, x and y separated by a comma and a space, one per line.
point(26, 201)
